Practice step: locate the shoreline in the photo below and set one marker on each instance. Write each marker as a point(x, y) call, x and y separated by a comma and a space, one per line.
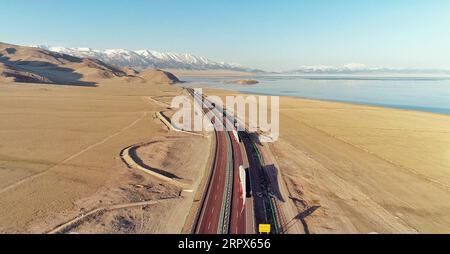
point(363, 168)
point(373, 105)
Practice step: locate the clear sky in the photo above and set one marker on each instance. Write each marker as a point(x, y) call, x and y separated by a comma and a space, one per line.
point(272, 35)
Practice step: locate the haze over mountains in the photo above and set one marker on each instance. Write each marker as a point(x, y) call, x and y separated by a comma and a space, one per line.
point(143, 59)
point(356, 68)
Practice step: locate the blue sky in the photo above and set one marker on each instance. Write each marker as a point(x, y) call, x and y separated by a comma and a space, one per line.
point(273, 35)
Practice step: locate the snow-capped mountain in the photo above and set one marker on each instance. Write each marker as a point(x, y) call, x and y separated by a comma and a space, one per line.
point(356, 68)
point(142, 59)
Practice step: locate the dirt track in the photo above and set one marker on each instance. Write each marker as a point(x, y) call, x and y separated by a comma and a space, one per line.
point(63, 157)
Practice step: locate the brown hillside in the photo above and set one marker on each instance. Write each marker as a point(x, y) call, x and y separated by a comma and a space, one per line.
point(28, 64)
point(130, 71)
point(8, 74)
point(159, 76)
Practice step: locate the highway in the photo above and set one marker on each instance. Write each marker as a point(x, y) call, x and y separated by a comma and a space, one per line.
point(225, 209)
point(238, 216)
point(263, 204)
point(211, 217)
point(222, 210)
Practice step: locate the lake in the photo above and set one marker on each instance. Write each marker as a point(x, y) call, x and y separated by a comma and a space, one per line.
point(430, 94)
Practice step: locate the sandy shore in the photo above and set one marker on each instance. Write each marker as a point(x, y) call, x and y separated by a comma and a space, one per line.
point(362, 169)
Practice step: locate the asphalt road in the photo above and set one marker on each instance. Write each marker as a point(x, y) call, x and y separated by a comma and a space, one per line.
point(238, 215)
point(255, 175)
point(222, 210)
point(210, 217)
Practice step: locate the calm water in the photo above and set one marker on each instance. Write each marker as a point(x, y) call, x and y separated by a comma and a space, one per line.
point(423, 94)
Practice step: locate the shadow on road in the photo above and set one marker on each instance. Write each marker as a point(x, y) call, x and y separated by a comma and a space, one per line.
point(272, 174)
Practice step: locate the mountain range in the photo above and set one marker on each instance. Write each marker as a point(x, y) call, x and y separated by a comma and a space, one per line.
point(37, 65)
point(143, 59)
point(356, 68)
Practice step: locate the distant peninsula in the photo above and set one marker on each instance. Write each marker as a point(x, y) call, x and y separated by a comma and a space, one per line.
point(243, 82)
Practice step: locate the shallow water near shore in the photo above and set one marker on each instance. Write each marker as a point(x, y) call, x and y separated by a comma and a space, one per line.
point(429, 94)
